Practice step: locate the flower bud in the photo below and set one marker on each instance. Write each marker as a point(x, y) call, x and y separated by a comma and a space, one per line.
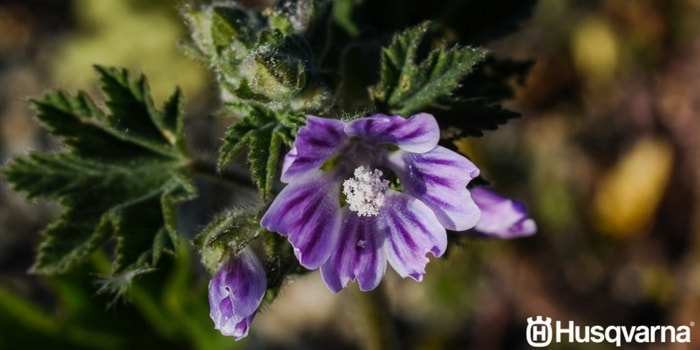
point(235, 293)
point(273, 73)
point(222, 29)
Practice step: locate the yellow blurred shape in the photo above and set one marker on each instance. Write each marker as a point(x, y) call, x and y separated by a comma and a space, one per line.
point(465, 146)
point(659, 284)
point(145, 40)
point(627, 197)
point(595, 49)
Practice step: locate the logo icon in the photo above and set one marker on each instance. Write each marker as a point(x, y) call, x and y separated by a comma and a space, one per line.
point(539, 331)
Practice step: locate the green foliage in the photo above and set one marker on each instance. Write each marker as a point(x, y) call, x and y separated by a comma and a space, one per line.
point(470, 117)
point(123, 175)
point(268, 77)
point(168, 310)
point(262, 134)
point(476, 105)
point(407, 86)
point(342, 15)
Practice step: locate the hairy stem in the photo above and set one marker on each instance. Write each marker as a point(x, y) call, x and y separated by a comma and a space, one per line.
point(234, 176)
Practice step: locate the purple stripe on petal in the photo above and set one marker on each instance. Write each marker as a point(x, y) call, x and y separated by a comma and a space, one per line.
point(308, 213)
point(223, 311)
point(439, 179)
point(242, 326)
point(501, 217)
point(412, 231)
point(420, 133)
point(359, 255)
point(315, 143)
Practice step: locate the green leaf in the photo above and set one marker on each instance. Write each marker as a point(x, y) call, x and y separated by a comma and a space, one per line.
point(263, 135)
point(342, 15)
point(263, 156)
point(407, 86)
point(479, 105)
point(470, 117)
point(121, 179)
point(171, 123)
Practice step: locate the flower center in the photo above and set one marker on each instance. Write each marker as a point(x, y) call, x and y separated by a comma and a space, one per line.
point(364, 192)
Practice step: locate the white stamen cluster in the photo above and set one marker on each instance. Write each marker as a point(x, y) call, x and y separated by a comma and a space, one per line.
point(364, 192)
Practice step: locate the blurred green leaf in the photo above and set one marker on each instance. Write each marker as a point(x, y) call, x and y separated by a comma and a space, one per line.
point(342, 14)
point(476, 106)
point(168, 310)
point(32, 327)
point(470, 116)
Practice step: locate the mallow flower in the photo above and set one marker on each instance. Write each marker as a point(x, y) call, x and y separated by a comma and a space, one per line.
point(369, 191)
point(501, 217)
point(235, 293)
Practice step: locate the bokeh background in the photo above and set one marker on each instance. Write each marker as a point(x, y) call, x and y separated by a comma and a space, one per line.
point(606, 155)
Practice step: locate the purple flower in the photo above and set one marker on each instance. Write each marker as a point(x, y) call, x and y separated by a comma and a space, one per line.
point(368, 191)
point(501, 217)
point(235, 293)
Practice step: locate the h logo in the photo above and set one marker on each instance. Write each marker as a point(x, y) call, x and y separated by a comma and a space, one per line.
point(539, 331)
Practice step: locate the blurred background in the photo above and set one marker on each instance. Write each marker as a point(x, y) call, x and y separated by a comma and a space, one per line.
point(606, 156)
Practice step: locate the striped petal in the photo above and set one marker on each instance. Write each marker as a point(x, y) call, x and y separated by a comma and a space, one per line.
point(315, 143)
point(501, 217)
point(419, 133)
point(308, 213)
point(439, 179)
point(359, 255)
point(412, 231)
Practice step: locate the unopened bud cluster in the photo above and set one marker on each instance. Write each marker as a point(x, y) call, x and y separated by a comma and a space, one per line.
point(260, 59)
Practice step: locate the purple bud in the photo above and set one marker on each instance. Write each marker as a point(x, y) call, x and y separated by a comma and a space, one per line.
point(235, 293)
point(501, 217)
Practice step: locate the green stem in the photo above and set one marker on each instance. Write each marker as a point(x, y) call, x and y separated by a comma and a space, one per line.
point(380, 333)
